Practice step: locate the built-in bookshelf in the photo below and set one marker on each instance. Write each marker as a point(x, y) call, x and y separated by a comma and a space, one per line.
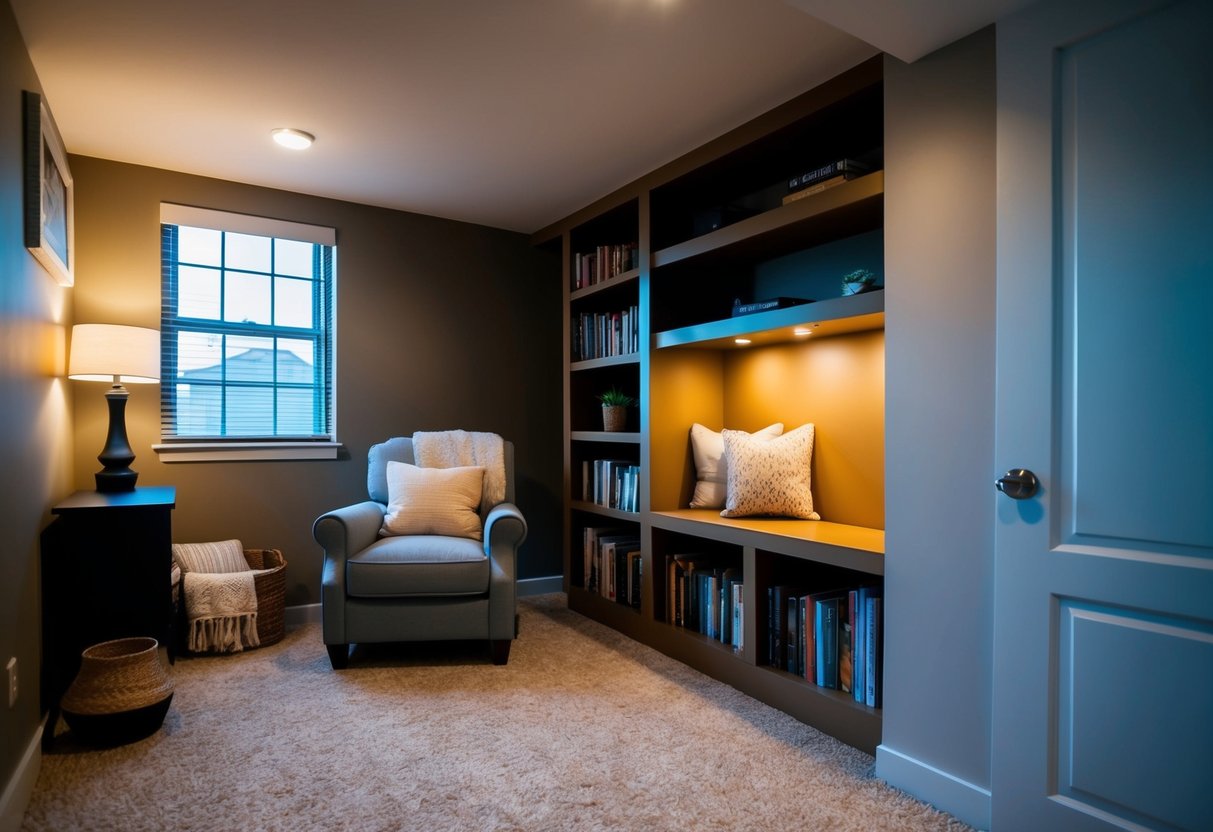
point(672, 254)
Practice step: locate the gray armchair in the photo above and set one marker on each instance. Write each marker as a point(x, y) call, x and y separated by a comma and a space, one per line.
point(417, 587)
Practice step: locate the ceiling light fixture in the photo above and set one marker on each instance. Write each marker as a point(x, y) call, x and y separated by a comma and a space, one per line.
point(292, 138)
point(801, 331)
point(742, 341)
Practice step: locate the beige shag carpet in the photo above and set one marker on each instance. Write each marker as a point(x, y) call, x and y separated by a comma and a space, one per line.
point(584, 729)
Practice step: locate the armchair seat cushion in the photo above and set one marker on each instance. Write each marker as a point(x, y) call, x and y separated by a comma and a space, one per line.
point(418, 565)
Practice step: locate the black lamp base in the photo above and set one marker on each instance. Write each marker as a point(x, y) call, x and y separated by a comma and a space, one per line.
point(117, 455)
point(109, 482)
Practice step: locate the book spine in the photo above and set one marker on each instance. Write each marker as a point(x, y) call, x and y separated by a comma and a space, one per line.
point(826, 172)
point(793, 637)
point(858, 647)
point(846, 618)
point(874, 639)
point(826, 632)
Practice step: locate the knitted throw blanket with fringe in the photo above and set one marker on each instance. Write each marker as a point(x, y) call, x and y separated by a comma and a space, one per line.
point(222, 611)
point(453, 448)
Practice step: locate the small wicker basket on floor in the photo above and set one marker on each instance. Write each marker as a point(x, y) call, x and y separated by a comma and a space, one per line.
point(271, 593)
point(271, 597)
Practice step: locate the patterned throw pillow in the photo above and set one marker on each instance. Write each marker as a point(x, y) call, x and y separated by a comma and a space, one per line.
point(441, 501)
point(221, 556)
point(710, 472)
point(771, 476)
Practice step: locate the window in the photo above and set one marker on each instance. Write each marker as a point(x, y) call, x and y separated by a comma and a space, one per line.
point(246, 337)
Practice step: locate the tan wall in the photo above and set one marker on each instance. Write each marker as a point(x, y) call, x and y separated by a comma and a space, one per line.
point(35, 403)
point(439, 325)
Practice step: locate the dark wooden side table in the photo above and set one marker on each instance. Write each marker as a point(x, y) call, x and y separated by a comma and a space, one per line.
point(106, 574)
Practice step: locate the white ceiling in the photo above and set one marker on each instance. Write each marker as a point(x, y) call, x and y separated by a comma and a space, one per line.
point(508, 113)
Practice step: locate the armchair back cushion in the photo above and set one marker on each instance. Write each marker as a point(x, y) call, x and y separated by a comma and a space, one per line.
point(400, 449)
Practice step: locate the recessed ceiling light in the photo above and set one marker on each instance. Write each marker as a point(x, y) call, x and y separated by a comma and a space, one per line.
point(741, 341)
point(292, 138)
point(800, 330)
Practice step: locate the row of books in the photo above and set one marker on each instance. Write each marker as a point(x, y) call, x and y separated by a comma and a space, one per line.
point(706, 597)
point(611, 483)
point(603, 334)
point(613, 564)
point(603, 263)
point(833, 639)
point(823, 177)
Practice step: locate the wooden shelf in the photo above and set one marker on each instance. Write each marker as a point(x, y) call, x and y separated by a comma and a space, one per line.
point(851, 547)
point(609, 361)
point(838, 212)
point(623, 437)
point(614, 513)
point(606, 285)
point(835, 316)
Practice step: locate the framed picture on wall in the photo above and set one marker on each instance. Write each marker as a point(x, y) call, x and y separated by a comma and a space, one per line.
point(49, 207)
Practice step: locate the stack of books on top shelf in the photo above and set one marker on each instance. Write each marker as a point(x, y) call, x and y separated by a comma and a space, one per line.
point(603, 334)
point(611, 483)
point(823, 177)
point(833, 639)
point(613, 563)
point(603, 263)
point(705, 597)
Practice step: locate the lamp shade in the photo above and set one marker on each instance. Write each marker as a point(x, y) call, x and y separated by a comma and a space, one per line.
point(102, 351)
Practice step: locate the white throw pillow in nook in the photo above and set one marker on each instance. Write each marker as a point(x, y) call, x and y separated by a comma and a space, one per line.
point(442, 501)
point(711, 472)
point(769, 476)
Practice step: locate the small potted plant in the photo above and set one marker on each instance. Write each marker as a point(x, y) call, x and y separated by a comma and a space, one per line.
point(615, 404)
point(858, 282)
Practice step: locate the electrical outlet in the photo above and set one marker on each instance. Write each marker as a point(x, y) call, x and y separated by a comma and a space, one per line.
point(11, 668)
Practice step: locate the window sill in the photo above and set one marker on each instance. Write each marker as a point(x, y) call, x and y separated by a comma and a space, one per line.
point(245, 451)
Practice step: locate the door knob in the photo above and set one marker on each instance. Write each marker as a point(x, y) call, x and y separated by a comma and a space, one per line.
point(1018, 483)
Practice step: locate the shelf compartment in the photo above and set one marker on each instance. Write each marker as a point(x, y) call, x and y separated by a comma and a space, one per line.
point(838, 212)
point(835, 316)
point(850, 547)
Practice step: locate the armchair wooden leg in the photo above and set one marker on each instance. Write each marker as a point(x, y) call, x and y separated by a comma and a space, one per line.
point(501, 650)
point(339, 655)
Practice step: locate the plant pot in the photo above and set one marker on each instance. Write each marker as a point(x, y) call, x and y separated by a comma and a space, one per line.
point(614, 417)
point(121, 693)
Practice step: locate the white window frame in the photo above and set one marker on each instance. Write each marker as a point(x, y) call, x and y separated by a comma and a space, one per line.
point(236, 449)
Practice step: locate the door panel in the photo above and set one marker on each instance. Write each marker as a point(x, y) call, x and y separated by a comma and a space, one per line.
point(1103, 654)
point(1132, 736)
point(1137, 283)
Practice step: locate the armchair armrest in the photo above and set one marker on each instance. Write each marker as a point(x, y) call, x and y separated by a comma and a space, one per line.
point(505, 526)
point(348, 530)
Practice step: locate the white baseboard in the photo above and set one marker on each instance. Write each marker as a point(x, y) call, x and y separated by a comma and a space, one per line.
point(944, 791)
point(540, 586)
point(18, 790)
point(302, 614)
point(310, 613)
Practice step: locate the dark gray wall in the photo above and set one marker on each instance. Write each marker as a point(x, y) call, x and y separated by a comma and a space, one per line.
point(939, 430)
point(35, 430)
point(440, 324)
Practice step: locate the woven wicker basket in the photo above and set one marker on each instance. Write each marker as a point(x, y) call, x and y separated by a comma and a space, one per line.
point(271, 597)
point(120, 694)
point(271, 593)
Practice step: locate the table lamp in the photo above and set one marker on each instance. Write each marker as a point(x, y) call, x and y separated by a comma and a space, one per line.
point(113, 353)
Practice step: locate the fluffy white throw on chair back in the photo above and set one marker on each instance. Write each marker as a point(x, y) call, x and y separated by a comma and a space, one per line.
point(455, 448)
